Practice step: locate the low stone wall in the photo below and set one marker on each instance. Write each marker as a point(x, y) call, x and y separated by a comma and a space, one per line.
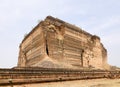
point(18, 76)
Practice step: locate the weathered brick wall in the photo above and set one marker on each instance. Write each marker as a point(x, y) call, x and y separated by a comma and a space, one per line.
point(32, 49)
point(59, 43)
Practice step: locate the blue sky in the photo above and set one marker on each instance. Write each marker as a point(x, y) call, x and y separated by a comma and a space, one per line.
point(18, 17)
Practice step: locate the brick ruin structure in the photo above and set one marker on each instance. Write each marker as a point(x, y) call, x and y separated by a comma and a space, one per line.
point(54, 43)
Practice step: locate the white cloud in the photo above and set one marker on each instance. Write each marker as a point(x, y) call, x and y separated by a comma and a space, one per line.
point(107, 24)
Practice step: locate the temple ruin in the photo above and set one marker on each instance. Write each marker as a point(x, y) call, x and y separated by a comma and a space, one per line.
point(54, 43)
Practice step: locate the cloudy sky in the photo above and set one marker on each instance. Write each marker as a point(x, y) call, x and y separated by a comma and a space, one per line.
point(18, 17)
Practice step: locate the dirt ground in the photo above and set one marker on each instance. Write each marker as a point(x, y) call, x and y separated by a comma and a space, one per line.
point(77, 83)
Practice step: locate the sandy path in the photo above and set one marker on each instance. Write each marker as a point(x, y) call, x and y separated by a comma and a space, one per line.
point(78, 83)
